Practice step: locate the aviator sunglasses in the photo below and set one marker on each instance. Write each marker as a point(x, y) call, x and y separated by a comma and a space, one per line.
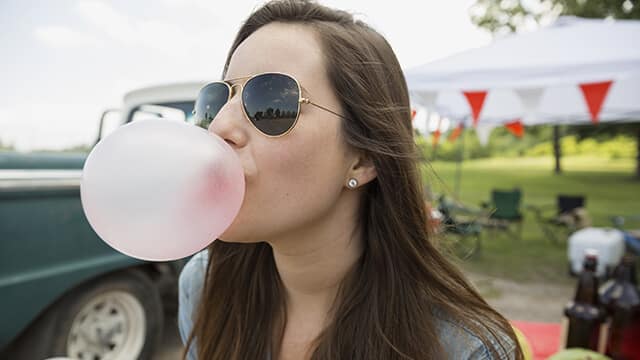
point(270, 101)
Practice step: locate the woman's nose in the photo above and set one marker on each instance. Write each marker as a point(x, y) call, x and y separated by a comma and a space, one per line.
point(230, 123)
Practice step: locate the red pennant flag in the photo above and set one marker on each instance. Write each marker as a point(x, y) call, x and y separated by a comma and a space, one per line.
point(456, 132)
point(594, 94)
point(476, 101)
point(435, 138)
point(516, 128)
point(413, 114)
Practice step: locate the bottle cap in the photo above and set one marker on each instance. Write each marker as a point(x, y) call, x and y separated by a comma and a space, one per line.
point(590, 253)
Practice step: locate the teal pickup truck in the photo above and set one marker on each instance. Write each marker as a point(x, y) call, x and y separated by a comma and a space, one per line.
point(63, 291)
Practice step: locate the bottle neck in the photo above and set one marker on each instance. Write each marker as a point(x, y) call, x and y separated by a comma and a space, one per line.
point(587, 291)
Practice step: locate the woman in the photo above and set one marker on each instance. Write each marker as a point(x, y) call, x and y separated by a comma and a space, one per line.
point(328, 257)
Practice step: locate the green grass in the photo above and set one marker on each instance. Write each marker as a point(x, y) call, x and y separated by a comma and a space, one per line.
point(608, 185)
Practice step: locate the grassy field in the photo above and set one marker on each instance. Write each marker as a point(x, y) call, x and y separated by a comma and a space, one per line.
point(607, 184)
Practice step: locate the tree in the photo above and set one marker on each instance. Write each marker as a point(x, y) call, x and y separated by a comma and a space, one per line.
point(501, 16)
point(504, 16)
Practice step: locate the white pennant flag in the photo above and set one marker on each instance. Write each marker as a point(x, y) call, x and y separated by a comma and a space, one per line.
point(427, 99)
point(530, 98)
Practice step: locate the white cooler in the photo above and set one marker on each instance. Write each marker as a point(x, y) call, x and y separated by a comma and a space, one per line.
point(609, 244)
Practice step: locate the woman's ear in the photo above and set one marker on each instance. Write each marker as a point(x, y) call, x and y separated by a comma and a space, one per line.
point(362, 170)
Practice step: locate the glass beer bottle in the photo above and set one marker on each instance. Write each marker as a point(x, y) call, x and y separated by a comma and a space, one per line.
point(620, 297)
point(584, 315)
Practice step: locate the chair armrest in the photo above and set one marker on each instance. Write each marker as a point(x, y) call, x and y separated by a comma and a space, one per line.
point(461, 209)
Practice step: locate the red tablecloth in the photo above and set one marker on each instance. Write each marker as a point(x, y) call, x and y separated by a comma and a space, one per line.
point(544, 338)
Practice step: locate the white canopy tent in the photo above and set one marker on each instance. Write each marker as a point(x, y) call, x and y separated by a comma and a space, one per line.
point(539, 77)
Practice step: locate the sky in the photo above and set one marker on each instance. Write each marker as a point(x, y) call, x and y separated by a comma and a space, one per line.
point(63, 62)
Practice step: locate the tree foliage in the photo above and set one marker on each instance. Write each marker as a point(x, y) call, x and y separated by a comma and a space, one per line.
point(503, 16)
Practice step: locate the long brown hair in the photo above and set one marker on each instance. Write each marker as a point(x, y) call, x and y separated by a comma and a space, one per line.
point(385, 306)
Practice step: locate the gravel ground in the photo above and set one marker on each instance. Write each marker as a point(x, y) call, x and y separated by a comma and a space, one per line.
point(541, 302)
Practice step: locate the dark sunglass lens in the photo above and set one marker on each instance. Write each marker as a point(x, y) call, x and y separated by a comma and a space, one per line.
point(271, 102)
point(210, 100)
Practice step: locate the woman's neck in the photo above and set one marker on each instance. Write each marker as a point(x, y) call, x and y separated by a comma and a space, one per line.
point(311, 266)
point(313, 262)
point(312, 275)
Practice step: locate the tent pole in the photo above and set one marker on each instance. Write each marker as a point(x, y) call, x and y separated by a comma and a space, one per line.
point(638, 153)
point(459, 164)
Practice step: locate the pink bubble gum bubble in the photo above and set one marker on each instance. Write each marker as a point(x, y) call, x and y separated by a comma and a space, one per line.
point(161, 190)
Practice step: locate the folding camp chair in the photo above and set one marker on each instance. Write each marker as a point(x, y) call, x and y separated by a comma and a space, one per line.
point(461, 226)
point(559, 221)
point(504, 210)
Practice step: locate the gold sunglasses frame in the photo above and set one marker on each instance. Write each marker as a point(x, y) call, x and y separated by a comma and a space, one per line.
point(301, 99)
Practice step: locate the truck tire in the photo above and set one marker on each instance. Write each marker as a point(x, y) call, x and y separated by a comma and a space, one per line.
point(116, 317)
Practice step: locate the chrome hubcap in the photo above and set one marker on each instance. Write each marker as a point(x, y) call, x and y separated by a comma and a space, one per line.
point(110, 326)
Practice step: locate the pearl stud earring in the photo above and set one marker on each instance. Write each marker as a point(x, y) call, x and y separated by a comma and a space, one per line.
point(352, 184)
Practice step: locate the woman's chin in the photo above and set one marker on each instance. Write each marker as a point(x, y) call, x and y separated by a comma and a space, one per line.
point(232, 233)
point(232, 236)
point(241, 231)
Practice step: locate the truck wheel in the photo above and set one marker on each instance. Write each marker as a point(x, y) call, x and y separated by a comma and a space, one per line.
point(118, 317)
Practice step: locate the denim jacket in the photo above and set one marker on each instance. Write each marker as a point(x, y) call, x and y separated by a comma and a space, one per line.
point(458, 342)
